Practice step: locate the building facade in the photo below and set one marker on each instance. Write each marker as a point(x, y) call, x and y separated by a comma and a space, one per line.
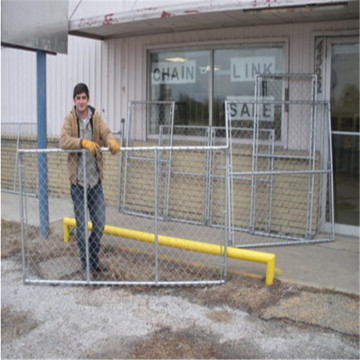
point(200, 56)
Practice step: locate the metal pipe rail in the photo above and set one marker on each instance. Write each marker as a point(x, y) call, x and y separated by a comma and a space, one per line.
point(197, 246)
point(129, 149)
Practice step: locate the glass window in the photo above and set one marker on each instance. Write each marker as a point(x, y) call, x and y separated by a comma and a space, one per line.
point(344, 98)
point(188, 78)
point(182, 76)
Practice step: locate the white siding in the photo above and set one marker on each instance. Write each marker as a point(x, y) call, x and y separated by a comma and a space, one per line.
point(82, 64)
point(115, 70)
point(18, 82)
point(18, 86)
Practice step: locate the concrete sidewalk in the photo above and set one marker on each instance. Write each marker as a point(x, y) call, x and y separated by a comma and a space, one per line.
point(333, 265)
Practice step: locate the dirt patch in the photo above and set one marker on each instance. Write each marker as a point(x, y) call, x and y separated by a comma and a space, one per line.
point(15, 324)
point(10, 239)
point(188, 344)
point(178, 345)
point(219, 316)
point(244, 293)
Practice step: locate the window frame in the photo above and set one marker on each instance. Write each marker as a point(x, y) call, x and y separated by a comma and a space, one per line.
point(212, 47)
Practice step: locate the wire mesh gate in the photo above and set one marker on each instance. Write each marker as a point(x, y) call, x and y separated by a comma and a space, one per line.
point(286, 184)
point(273, 177)
point(281, 165)
point(134, 250)
point(280, 170)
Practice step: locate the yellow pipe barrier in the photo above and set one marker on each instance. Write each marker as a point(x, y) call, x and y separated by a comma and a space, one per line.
point(212, 249)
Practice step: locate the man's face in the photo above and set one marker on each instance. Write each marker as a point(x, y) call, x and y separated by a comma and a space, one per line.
point(81, 101)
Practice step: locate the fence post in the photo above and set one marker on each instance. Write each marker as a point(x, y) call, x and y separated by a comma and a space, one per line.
point(156, 213)
point(22, 219)
point(122, 132)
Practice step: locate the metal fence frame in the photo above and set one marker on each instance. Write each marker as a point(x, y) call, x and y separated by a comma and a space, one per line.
point(161, 141)
point(264, 138)
point(284, 102)
point(156, 218)
point(267, 176)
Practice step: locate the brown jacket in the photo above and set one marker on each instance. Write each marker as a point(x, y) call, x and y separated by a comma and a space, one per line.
point(69, 139)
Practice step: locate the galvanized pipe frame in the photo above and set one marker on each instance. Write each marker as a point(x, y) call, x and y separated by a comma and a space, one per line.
point(260, 100)
point(252, 174)
point(85, 188)
point(207, 174)
point(89, 280)
point(167, 161)
point(130, 123)
point(237, 175)
point(123, 283)
point(208, 136)
point(121, 133)
point(228, 178)
point(19, 125)
point(210, 132)
point(242, 176)
point(312, 152)
point(268, 180)
point(22, 221)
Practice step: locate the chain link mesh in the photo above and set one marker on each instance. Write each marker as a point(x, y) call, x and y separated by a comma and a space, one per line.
point(146, 117)
point(163, 240)
point(161, 210)
point(281, 166)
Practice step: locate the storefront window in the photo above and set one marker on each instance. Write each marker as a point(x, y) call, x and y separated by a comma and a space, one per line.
point(182, 76)
point(234, 74)
point(200, 89)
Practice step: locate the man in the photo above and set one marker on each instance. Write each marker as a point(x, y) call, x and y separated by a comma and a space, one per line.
point(84, 128)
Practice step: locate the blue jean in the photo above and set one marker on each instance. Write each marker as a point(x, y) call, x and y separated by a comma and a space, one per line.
point(96, 206)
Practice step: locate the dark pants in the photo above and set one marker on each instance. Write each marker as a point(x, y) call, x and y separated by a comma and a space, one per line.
point(96, 206)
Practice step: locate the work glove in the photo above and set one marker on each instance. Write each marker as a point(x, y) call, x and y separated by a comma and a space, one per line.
point(92, 146)
point(113, 146)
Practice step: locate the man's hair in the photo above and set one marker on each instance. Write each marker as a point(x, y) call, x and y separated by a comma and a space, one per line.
point(81, 88)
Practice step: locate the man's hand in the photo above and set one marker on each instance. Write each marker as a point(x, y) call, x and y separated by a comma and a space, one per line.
point(113, 146)
point(92, 146)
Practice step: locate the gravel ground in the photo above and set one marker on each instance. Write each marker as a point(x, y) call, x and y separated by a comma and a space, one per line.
point(59, 322)
point(243, 318)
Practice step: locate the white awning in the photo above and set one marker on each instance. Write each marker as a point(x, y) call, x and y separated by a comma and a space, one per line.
point(210, 15)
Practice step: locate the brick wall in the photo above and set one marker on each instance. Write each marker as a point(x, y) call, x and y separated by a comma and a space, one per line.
point(187, 196)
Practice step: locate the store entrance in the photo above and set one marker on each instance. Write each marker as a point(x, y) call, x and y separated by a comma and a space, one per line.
point(344, 98)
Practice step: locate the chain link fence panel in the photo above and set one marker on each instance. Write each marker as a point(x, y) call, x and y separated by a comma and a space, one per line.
point(169, 206)
point(108, 246)
point(281, 165)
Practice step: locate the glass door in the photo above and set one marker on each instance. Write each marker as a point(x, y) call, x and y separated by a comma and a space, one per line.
point(344, 98)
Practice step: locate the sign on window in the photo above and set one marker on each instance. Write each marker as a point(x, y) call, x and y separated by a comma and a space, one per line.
point(245, 68)
point(243, 108)
point(165, 72)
